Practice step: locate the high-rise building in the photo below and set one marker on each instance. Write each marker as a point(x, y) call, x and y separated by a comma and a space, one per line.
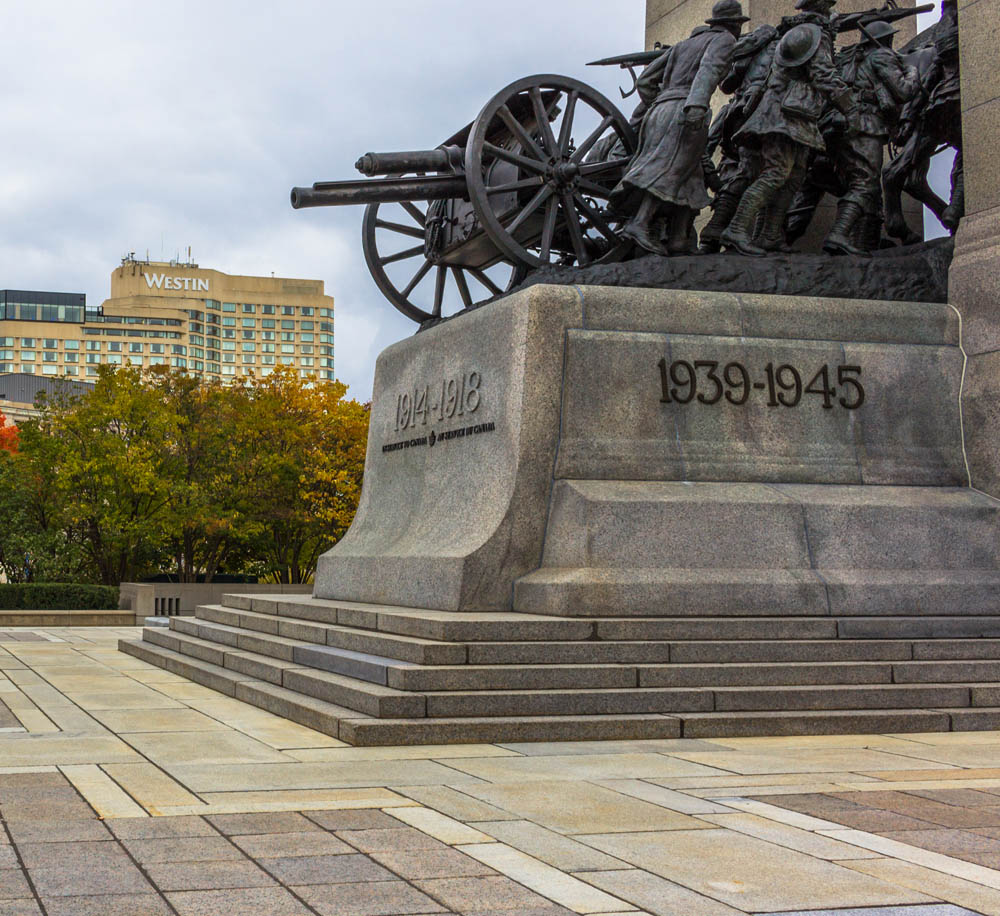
point(211, 324)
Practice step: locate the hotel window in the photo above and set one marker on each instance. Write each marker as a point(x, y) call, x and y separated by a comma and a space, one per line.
point(267, 360)
point(71, 345)
point(50, 344)
point(229, 345)
point(6, 341)
point(114, 346)
point(50, 357)
point(306, 348)
point(91, 370)
point(156, 348)
point(308, 311)
point(249, 335)
point(308, 325)
point(114, 359)
point(212, 304)
point(178, 363)
point(93, 358)
point(6, 367)
point(71, 370)
point(249, 309)
point(229, 357)
point(288, 348)
point(249, 348)
point(267, 348)
point(197, 339)
point(229, 370)
point(267, 309)
point(307, 338)
point(6, 354)
point(248, 323)
point(229, 334)
point(198, 366)
point(27, 341)
point(229, 306)
point(229, 322)
point(28, 370)
point(288, 310)
point(135, 348)
point(288, 336)
point(288, 360)
point(288, 325)
point(196, 327)
point(248, 360)
point(28, 356)
point(71, 358)
point(93, 345)
point(267, 322)
point(178, 350)
point(198, 352)
point(213, 367)
point(267, 335)
point(306, 361)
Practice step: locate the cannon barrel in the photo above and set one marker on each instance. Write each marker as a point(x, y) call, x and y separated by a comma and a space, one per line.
point(442, 159)
point(379, 191)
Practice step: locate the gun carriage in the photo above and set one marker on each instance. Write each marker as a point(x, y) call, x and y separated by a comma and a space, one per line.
point(524, 185)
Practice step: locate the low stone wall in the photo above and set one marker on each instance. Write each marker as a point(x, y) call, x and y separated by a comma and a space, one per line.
point(169, 599)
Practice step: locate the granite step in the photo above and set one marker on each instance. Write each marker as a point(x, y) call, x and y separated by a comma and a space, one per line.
point(793, 650)
point(351, 693)
point(825, 722)
point(105, 618)
point(357, 729)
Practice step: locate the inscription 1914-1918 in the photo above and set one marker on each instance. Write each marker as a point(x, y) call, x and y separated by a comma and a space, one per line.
point(452, 397)
point(680, 383)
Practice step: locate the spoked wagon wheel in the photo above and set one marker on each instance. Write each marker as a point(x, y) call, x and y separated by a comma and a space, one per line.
point(562, 211)
point(393, 240)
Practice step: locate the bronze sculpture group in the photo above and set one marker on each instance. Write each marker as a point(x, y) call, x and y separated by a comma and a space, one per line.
point(532, 183)
point(804, 119)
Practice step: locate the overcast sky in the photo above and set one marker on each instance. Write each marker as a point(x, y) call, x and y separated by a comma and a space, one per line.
point(135, 127)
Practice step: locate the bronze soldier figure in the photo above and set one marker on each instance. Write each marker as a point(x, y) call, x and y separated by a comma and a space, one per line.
point(665, 182)
point(784, 126)
point(746, 80)
point(880, 84)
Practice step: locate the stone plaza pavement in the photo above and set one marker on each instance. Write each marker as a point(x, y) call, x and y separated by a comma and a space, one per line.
point(127, 790)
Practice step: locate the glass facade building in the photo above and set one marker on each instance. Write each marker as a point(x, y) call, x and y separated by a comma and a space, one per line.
point(32, 305)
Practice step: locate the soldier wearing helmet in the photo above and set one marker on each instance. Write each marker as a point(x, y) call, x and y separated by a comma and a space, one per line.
point(665, 183)
point(880, 85)
point(784, 126)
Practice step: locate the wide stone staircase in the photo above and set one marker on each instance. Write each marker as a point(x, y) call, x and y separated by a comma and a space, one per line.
point(658, 610)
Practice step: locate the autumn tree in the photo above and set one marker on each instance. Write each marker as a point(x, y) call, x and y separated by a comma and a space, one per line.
point(8, 435)
point(299, 451)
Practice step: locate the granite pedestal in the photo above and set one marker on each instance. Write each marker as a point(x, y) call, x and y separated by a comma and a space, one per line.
point(606, 512)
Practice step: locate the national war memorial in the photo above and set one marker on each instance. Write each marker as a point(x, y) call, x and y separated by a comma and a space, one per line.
point(664, 459)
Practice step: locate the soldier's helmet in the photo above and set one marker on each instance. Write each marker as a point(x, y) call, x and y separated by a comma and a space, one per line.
point(815, 5)
point(727, 11)
point(798, 45)
point(879, 32)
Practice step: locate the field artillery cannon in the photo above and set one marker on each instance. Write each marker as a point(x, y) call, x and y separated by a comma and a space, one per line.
point(518, 189)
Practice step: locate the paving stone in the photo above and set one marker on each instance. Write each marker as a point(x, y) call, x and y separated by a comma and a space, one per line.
point(190, 876)
point(286, 845)
point(942, 909)
point(925, 809)
point(154, 828)
point(474, 895)
point(23, 907)
point(183, 849)
point(747, 873)
point(13, 885)
point(78, 876)
point(32, 780)
point(8, 858)
point(325, 869)
point(256, 824)
point(568, 807)
point(656, 894)
point(107, 905)
point(547, 846)
point(958, 891)
point(244, 901)
point(83, 855)
point(352, 820)
point(400, 839)
point(431, 863)
point(961, 844)
point(455, 804)
point(383, 898)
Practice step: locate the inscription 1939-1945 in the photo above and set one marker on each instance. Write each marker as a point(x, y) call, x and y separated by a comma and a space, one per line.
point(444, 400)
point(682, 382)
